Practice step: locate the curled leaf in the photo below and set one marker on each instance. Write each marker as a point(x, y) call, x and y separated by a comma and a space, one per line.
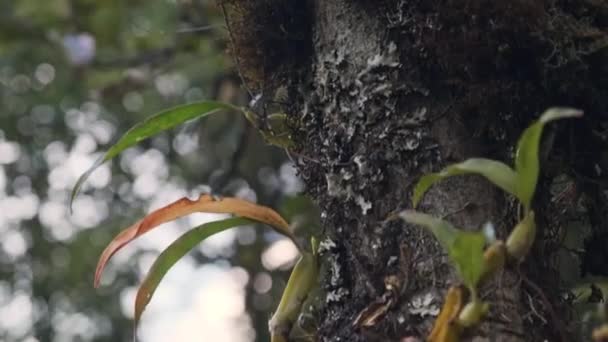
point(526, 158)
point(151, 126)
point(302, 278)
point(496, 172)
point(185, 206)
point(175, 252)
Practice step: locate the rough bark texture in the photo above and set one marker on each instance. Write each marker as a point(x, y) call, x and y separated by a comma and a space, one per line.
point(393, 89)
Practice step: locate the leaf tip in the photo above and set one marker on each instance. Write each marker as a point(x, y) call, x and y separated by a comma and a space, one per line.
point(560, 113)
point(80, 182)
point(103, 260)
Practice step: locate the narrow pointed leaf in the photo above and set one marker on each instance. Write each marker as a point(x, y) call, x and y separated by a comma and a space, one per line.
point(496, 172)
point(443, 230)
point(175, 252)
point(151, 126)
point(464, 248)
point(185, 206)
point(526, 158)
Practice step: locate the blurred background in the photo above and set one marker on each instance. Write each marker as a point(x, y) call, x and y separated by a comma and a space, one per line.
point(74, 76)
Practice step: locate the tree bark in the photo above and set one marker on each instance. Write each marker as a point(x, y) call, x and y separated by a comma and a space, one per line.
point(394, 89)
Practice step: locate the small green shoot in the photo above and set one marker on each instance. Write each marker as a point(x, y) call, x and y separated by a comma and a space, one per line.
point(303, 277)
point(472, 313)
point(522, 237)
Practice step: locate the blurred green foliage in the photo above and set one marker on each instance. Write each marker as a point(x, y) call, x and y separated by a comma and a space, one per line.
point(74, 75)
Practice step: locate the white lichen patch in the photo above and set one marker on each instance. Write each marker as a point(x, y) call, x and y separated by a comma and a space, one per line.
point(334, 188)
point(326, 245)
point(423, 305)
point(361, 163)
point(389, 59)
point(392, 260)
point(336, 295)
point(350, 131)
point(363, 204)
point(419, 114)
point(346, 175)
point(411, 142)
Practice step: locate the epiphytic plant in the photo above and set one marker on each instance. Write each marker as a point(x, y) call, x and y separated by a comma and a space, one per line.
point(466, 248)
point(304, 274)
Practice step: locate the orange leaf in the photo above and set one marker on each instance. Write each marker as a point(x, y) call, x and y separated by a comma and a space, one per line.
point(445, 329)
point(185, 206)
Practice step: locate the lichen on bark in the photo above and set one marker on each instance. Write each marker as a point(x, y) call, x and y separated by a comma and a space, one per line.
point(388, 90)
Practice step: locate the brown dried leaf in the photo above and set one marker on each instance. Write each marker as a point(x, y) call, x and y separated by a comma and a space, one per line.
point(185, 206)
point(376, 310)
point(445, 329)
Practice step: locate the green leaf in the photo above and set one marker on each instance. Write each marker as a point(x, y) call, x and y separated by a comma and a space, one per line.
point(173, 253)
point(526, 158)
point(443, 230)
point(467, 254)
point(301, 281)
point(464, 248)
point(153, 125)
point(496, 172)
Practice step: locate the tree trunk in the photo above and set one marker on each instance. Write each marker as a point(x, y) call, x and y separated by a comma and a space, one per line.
point(382, 92)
